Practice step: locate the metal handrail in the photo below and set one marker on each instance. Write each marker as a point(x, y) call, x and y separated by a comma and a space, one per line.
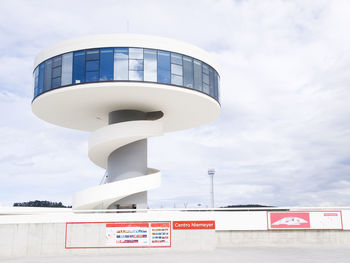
point(42, 210)
point(214, 209)
point(104, 177)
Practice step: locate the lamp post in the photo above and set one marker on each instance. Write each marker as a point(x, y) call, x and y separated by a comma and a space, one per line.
point(211, 173)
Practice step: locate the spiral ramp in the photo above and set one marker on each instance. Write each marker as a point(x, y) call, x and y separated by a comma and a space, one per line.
point(127, 185)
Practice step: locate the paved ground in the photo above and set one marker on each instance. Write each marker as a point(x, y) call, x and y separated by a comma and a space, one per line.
point(222, 255)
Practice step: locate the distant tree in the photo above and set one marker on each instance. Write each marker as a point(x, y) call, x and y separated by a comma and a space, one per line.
point(38, 203)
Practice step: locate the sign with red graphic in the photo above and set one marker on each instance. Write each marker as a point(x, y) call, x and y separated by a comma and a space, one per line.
point(290, 220)
point(193, 225)
point(317, 220)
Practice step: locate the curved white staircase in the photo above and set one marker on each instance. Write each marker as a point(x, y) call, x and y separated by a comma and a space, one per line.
point(102, 143)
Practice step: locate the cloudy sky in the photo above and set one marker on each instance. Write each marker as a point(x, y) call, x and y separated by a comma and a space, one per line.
point(283, 137)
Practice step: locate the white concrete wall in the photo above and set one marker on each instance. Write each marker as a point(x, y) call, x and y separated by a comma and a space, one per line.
point(24, 232)
point(20, 240)
point(346, 219)
point(240, 220)
point(283, 238)
point(48, 239)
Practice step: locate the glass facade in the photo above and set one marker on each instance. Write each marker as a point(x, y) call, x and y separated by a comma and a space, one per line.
point(197, 66)
point(106, 64)
point(176, 69)
point(56, 72)
point(205, 76)
point(126, 64)
point(48, 75)
point(136, 64)
point(67, 69)
point(92, 64)
point(121, 64)
point(150, 65)
point(41, 78)
point(163, 69)
point(79, 67)
point(188, 72)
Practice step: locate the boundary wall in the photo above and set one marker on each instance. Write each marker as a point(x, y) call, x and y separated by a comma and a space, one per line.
point(52, 232)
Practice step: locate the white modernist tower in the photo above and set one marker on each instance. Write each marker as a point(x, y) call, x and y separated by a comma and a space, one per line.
point(124, 89)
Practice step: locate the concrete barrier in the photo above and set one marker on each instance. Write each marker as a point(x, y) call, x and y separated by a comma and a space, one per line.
point(283, 238)
point(44, 232)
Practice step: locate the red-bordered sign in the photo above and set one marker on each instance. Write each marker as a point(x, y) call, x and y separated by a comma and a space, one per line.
point(193, 225)
point(304, 220)
point(142, 234)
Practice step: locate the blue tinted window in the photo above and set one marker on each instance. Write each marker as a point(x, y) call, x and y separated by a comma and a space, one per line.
point(163, 69)
point(92, 65)
point(57, 61)
point(106, 64)
point(67, 69)
point(218, 89)
point(47, 77)
point(176, 69)
point(56, 82)
point(136, 75)
point(41, 78)
point(36, 76)
point(205, 73)
point(211, 82)
point(188, 72)
point(216, 84)
point(136, 53)
point(79, 67)
point(206, 88)
point(176, 59)
point(176, 80)
point(197, 74)
point(91, 76)
point(135, 64)
point(205, 69)
point(150, 65)
point(92, 54)
point(121, 63)
point(205, 78)
point(56, 72)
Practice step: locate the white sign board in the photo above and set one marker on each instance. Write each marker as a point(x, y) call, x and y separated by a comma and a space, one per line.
point(138, 234)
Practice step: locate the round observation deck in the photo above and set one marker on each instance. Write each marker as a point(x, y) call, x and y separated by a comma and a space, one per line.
point(79, 82)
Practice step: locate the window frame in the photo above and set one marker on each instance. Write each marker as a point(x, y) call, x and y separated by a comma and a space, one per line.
point(211, 89)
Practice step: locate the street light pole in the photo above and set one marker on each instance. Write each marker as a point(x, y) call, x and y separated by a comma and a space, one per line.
point(211, 173)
